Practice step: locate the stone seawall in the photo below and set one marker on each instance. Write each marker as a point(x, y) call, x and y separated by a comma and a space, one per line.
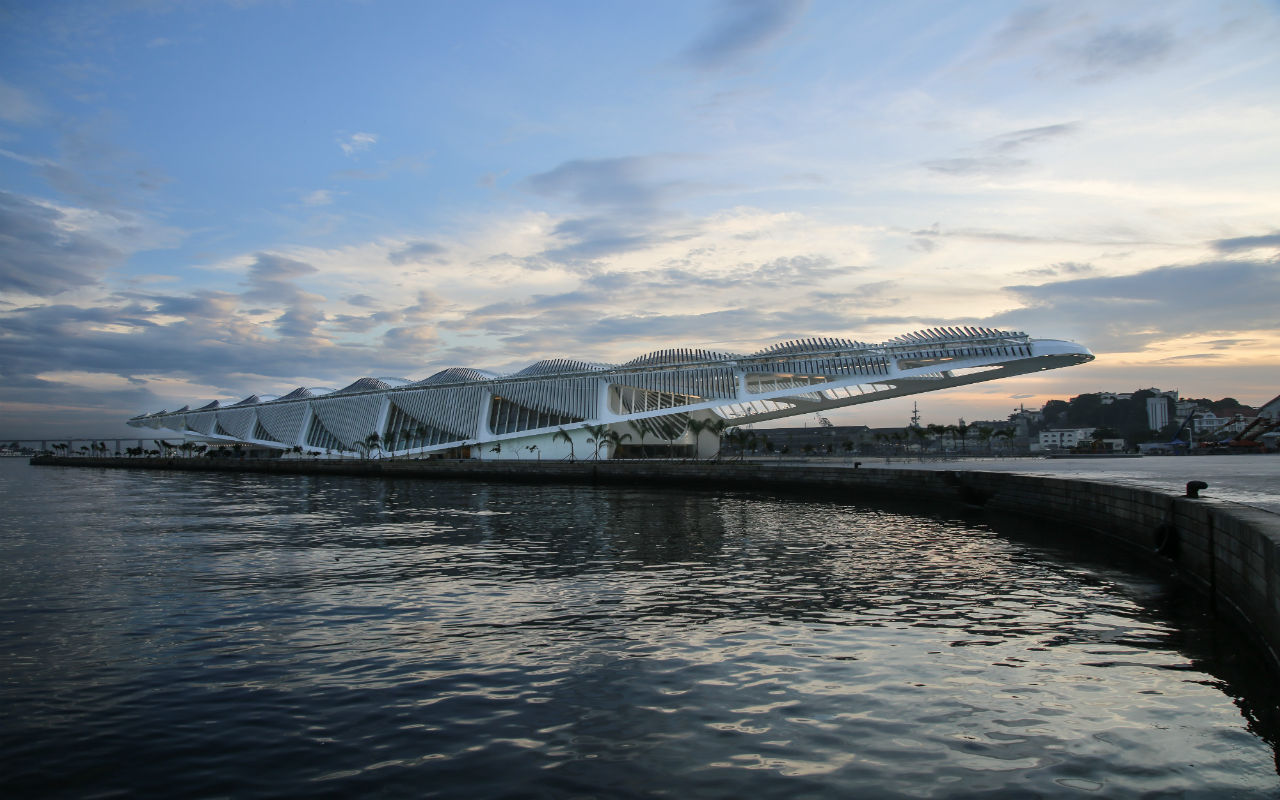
point(1229, 552)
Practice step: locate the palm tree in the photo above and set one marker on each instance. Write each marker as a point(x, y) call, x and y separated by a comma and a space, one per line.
point(936, 432)
point(984, 435)
point(671, 438)
point(370, 443)
point(715, 426)
point(562, 434)
point(616, 439)
point(642, 429)
point(962, 430)
point(742, 439)
point(696, 427)
point(1007, 435)
point(533, 448)
point(921, 434)
point(950, 430)
point(597, 438)
point(497, 448)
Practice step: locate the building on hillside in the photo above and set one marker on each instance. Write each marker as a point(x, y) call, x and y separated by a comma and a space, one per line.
point(1023, 421)
point(1185, 408)
point(1157, 413)
point(1065, 438)
point(1211, 423)
point(561, 408)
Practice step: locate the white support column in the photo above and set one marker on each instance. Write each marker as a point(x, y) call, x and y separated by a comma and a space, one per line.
point(301, 441)
point(384, 410)
point(482, 424)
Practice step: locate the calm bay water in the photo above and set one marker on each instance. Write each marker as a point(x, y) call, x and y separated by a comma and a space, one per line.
point(172, 634)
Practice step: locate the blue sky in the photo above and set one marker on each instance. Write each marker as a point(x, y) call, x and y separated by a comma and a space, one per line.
point(204, 200)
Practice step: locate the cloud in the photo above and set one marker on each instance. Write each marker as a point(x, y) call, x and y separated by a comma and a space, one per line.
point(320, 197)
point(411, 337)
point(1100, 55)
point(1023, 24)
point(1070, 44)
point(17, 107)
point(1017, 140)
point(271, 281)
point(1247, 243)
point(586, 239)
point(301, 321)
point(93, 170)
point(1061, 268)
point(616, 182)
point(1130, 312)
point(1008, 237)
point(1230, 344)
point(269, 270)
point(977, 165)
point(612, 295)
point(357, 142)
point(415, 253)
point(43, 253)
point(1190, 357)
point(422, 309)
point(997, 155)
point(744, 26)
point(626, 196)
point(201, 304)
point(214, 344)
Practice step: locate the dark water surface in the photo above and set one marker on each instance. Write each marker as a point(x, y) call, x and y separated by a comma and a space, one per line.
point(189, 635)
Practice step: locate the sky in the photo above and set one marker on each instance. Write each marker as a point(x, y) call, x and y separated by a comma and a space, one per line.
point(206, 200)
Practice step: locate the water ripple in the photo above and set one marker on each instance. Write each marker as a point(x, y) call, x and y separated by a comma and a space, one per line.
point(297, 636)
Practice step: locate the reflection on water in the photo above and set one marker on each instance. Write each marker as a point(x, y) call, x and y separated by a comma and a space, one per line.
point(264, 635)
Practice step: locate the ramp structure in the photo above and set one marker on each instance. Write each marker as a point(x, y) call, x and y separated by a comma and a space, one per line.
point(560, 408)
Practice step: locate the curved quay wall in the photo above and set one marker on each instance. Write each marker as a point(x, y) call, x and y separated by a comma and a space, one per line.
point(1227, 551)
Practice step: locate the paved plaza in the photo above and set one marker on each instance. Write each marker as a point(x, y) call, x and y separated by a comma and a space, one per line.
point(1252, 480)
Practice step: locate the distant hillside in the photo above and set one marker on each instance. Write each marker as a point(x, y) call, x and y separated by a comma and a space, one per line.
point(1127, 418)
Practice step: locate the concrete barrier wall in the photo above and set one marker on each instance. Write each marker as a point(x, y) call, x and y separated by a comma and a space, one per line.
point(1229, 552)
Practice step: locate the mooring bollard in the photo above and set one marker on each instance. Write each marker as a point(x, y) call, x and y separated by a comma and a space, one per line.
point(1194, 487)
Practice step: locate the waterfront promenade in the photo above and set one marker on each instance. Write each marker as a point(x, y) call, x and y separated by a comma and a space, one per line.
point(1252, 480)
